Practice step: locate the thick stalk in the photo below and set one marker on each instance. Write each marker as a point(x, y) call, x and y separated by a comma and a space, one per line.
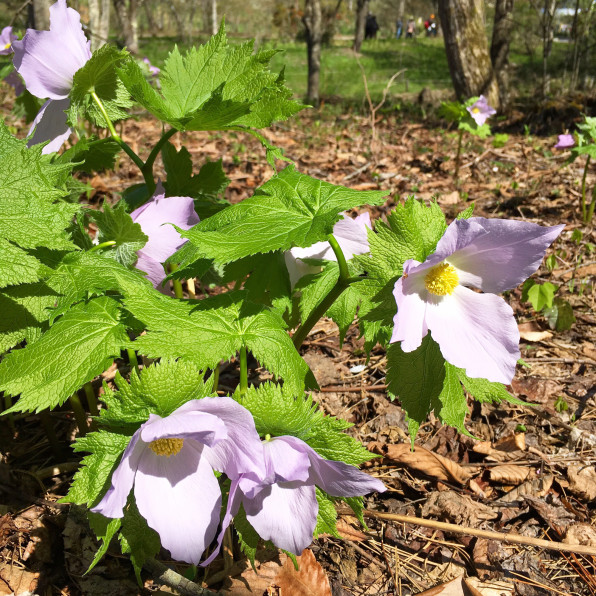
point(584, 214)
point(102, 245)
point(132, 359)
point(591, 208)
point(243, 371)
point(48, 425)
point(215, 378)
point(79, 413)
point(91, 399)
point(458, 154)
point(147, 168)
point(342, 283)
point(125, 146)
point(176, 283)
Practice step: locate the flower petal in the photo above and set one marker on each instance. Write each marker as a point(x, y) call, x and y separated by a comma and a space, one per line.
point(335, 477)
point(410, 320)
point(476, 332)
point(204, 428)
point(6, 39)
point(287, 462)
point(565, 141)
point(123, 478)
point(155, 218)
point(48, 60)
point(286, 514)
point(496, 254)
point(50, 125)
point(153, 269)
point(242, 451)
point(184, 513)
point(352, 235)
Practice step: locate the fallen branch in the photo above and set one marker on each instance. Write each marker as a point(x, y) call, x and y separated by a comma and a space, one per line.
point(168, 577)
point(510, 538)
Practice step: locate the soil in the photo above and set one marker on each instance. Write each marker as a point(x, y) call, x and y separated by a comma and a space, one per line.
point(528, 469)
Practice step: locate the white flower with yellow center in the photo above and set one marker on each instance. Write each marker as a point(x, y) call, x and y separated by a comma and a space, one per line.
point(475, 331)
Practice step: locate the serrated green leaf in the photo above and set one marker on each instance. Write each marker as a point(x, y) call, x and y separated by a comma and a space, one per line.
point(215, 329)
point(91, 155)
point(160, 389)
point(25, 312)
point(29, 215)
point(560, 315)
point(326, 516)
point(484, 390)
point(115, 224)
point(343, 311)
point(137, 539)
point(80, 346)
point(247, 535)
point(214, 87)
point(105, 529)
point(17, 266)
point(416, 378)
point(469, 125)
point(291, 209)
point(268, 281)
point(451, 406)
point(93, 478)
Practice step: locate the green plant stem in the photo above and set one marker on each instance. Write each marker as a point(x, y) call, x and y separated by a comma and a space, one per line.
point(458, 154)
point(215, 378)
point(102, 245)
point(46, 422)
point(342, 283)
point(125, 146)
point(79, 413)
point(176, 283)
point(243, 370)
point(147, 168)
point(585, 218)
point(591, 208)
point(91, 399)
point(132, 358)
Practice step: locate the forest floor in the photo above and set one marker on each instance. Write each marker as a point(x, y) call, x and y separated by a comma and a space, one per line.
point(529, 470)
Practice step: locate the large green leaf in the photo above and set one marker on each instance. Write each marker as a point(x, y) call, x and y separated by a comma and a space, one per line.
point(291, 209)
point(80, 346)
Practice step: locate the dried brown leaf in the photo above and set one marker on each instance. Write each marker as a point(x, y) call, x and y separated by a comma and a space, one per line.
point(537, 487)
point(457, 508)
point(428, 463)
point(347, 532)
point(456, 587)
point(530, 331)
point(580, 534)
point(510, 474)
point(582, 481)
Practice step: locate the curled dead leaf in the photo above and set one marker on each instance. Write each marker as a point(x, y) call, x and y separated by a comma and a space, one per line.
point(347, 532)
point(530, 331)
point(457, 508)
point(536, 487)
point(580, 534)
point(456, 587)
point(510, 474)
point(582, 481)
point(428, 463)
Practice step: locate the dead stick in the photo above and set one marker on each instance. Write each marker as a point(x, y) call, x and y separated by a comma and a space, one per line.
point(351, 389)
point(456, 529)
point(166, 576)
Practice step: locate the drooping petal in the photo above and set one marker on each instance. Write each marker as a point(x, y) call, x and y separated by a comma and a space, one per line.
point(6, 39)
point(200, 426)
point(48, 60)
point(153, 269)
point(335, 477)
point(410, 320)
point(50, 125)
point(242, 451)
point(476, 332)
point(284, 513)
point(297, 268)
point(14, 80)
point(288, 463)
point(496, 254)
point(180, 498)
point(154, 218)
point(565, 141)
point(123, 478)
point(352, 235)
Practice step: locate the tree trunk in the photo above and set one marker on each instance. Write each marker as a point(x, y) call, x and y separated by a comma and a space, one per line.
point(41, 15)
point(214, 23)
point(99, 22)
point(462, 22)
point(548, 16)
point(361, 12)
point(499, 48)
point(129, 24)
point(313, 23)
point(153, 26)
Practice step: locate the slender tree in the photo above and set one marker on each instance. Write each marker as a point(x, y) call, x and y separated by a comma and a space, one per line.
point(99, 22)
point(466, 44)
point(313, 24)
point(499, 48)
point(126, 12)
point(361, 12)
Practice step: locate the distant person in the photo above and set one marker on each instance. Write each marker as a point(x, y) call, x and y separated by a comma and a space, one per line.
point(410, 28)
point(399, 26)
point(371, 27)
point(431, 29)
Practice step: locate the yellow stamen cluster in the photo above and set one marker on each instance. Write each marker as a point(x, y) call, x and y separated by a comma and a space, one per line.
point(6, 46)
point(476, 110)
point(441, 280)
point(167, 447)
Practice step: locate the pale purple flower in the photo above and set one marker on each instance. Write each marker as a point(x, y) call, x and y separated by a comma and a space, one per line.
point(153, 70)
point(565, 141)
point(283, 507)
point(476, 332)
point(47, 61)
point(170, 463)
point(481, 111)
point(154, 218)
point(6, 39)
point(351, 235)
